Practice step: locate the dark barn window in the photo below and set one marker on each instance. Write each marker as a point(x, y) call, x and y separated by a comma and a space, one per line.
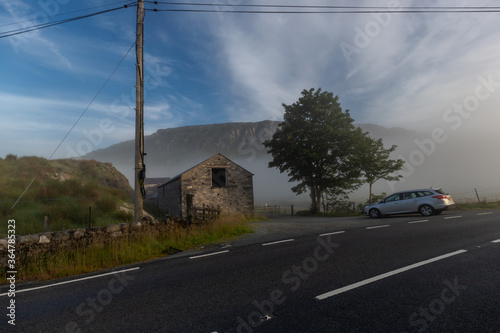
point(219, 177)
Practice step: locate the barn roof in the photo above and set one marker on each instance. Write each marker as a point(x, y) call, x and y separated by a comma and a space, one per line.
point(179, 175)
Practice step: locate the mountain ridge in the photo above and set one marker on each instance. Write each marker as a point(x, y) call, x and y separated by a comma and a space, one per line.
point(171, 151)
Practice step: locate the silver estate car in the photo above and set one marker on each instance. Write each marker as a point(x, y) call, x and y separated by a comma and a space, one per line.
point(427, 202)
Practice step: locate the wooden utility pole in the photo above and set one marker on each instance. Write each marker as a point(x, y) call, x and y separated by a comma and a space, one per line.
point(140, 170)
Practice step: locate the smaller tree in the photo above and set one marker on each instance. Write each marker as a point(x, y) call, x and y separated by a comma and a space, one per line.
point(375, 162)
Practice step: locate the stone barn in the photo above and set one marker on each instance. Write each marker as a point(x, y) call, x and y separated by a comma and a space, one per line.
point(216, 182)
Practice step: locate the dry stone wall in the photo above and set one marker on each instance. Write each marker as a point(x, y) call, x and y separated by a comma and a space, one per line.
point(51, 242)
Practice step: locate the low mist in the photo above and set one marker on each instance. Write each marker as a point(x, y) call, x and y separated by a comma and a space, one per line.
point(458, 161)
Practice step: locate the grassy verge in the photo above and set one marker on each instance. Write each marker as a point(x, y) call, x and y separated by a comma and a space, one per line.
point(127, 251)
point(481, 205)
point(329, 214)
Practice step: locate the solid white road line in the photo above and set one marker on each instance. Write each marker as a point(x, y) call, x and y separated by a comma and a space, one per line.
point(332, 233)
point(452, 217)
point(487, 213)
point(420, 221)
point(71, 281)
point(385, 275)
point(208, 254)
point(277, 242)
point(378, 226)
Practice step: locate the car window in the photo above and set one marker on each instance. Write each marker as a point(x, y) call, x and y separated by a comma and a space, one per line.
point(420, 194)
point(394, 197)
point(440, 191)
point(408, 195)
point(427, 193)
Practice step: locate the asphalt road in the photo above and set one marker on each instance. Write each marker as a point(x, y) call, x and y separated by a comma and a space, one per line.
point(398, 274)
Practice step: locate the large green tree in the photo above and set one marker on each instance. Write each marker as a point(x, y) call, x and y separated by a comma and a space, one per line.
point(375, 162)
point(315, 145)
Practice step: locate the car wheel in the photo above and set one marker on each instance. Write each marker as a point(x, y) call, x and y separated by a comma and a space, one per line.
point(374, 213)
point(426, 210)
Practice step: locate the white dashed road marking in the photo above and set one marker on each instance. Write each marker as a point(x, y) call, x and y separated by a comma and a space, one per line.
point(385, 275)
point(332, 233)
point(209, 254)
point(378, 226)
point(452, 217)
point(420, 221)
point(277, 242)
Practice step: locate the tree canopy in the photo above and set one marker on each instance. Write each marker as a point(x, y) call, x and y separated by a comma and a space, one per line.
point(320, 149)
point(314, 145)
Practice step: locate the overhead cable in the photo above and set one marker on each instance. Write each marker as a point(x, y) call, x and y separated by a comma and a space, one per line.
point(313, 9)
point(125, 3)
point(53, 23)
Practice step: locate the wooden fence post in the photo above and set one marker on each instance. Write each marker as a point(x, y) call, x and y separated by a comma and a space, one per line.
point(46, 224)
point(90, 216)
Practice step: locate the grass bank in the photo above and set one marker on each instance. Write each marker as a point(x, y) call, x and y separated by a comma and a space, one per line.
point(128, 251)
point(479, 205)
point(67, 194)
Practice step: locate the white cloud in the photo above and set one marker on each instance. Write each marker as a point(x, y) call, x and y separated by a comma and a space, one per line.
point(34, 44)
point(405, 69)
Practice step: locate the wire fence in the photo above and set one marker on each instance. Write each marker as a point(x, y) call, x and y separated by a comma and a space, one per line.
point(44, 215)
point(477, 195)
point(278, 210)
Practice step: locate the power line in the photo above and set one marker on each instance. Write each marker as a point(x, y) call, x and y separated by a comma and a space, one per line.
point(317, 6)
point(92, 101)
point(314, 9)
point(327, 12)
point(67, 13)
point(54, 23)
point(76, 122)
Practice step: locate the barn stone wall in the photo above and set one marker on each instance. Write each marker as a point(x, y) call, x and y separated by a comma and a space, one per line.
point(234, 196)
point(169, 198)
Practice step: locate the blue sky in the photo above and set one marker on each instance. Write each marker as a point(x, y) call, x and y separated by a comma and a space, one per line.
point(407, 70)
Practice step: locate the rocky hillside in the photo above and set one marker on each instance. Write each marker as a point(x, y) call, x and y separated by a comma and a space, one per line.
point(170, 151)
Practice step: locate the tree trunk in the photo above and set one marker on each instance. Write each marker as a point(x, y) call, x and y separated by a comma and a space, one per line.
point(370, 199)
point(315, 200)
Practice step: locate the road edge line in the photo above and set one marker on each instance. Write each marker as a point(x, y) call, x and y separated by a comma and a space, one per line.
point(72, 281)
